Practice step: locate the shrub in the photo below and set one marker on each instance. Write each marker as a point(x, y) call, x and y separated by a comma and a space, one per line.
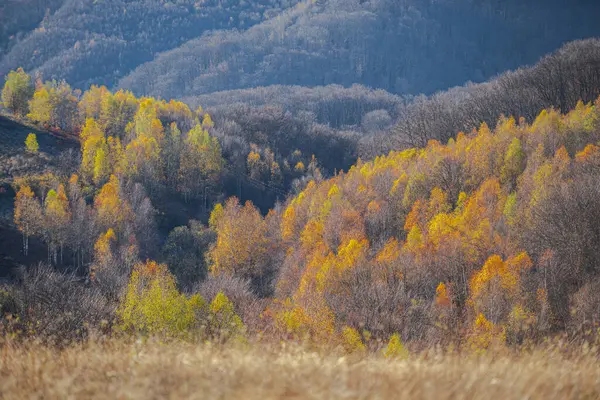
point(224, 323)
point(57, 306)
point(395, 348)
point(352, 341)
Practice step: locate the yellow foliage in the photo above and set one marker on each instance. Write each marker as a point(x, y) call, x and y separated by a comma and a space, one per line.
point(395, 348)
point(389, 253)
point(484, 334)
point(352, 340)
point(414, 240)
point(224, 322)
point(288, 223)
point(31, 144)
point(153, 306)
point(215, 216)
point(333, 191)
point(241, 245)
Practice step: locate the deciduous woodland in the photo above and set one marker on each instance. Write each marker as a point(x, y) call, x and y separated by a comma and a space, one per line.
point(486, 239)
point(271, 199)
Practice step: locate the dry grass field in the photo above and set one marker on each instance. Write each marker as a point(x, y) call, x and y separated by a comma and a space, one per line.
point(117, 370)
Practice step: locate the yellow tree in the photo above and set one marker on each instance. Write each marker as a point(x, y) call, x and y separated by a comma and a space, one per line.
point(31, 144)
point(142, 160)
point(116, 112)
point(101, 167)
point(111, 210)
point(18, 90)
point(57, 215)
point(28, 215)
point(103, 254)
point(242, 246)
point(514, 162)
point(152, 305)
point(90, 105)
point(224, 323)
point(39, 106)
point(55, 105)
point(93, 141)
point(496, 288)
point(200, 163)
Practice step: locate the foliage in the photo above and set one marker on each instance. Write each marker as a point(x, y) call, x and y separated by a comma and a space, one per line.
point(17, 91)
point(352, 340)
point(153, 306)
point(224, 323)
point(31, 143)
point(395, 348)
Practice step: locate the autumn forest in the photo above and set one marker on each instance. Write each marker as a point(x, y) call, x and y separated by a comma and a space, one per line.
point(362, 213)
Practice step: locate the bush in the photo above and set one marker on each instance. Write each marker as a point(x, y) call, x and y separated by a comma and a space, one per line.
point(395, 348)
point(245, 303)
point(224, 323)
point(57, 306)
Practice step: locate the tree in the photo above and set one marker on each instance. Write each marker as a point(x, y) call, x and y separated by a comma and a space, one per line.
point(40, 107)
point(111, 210)
point(31, 144)
point(101, 167)
point(152, 304)
point(57, 216)
point(18, 90)
point(93, 142)
point(241, 248)
point(28, 215)
point(514, 162)
point(55, 105)
point(224, 322)
point(201, 162)
point(184, 253)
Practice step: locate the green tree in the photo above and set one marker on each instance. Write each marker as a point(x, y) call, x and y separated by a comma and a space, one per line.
point(184, 253)
point(17, 92)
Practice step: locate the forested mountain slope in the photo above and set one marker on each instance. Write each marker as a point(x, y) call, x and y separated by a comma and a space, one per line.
point(409, 46)
point(404, 47)
point(490, 237)
point(97, 42)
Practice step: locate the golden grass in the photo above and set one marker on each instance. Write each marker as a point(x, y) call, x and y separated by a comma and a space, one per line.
point(119, 370)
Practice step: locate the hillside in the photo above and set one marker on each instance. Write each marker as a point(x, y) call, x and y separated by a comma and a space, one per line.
point(404, 47)
point(185, 48)
point(300, 199)
point(98, 42)
point(57, 153)
point(455, 242)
